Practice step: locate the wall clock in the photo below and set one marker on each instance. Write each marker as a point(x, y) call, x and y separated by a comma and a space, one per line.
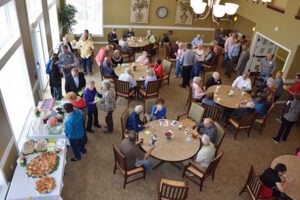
point(162, 12)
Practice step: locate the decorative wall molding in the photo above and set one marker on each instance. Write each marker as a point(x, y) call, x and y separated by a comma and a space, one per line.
point(184, 28)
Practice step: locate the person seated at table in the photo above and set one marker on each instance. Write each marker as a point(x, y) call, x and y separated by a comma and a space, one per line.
point(112, 37)
point(197, 40)
point(151, 77)
point(135, 157)
point(214, 80)
point(116, 58)
point(107, 68)
point(260, 106)
point(150, 37)
point(209, 99)
point(197, 92)
point(205, 155)
point(124, 44)
point(74, 131)
point(128, 76)
point(158, 68)
point(130, 32)
point(238, 113)
point(158, 111)
point(274, 181)
point(269, 93)
point(134, 122)
point(65, 42)
point(104, 52)
point(143, 59)
point(209, 55)
point(207, 127)
point(242, 82)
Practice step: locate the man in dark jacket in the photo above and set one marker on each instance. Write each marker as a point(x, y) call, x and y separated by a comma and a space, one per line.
point(238, 113)
point(75, 83)
point(55, 79)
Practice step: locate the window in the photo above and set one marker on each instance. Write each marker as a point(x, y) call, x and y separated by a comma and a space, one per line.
point(16, 91)
point(34, 9)
point(89, 16)
point(54, 26)
point(9, 23)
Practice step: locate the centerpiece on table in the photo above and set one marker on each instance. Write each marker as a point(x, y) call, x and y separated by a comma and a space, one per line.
point(37, 112)
point(169, 135)
point(22, 160)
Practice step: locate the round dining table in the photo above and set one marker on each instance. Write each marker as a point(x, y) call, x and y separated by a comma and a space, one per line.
point(137, 42)
point(229, 97)
point(292, 164)
point(181, 147)
point(139, 74)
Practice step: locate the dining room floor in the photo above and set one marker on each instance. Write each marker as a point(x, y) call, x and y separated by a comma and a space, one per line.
point(92, 177)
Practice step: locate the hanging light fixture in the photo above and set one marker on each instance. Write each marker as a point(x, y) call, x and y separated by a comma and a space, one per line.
point(217, 10)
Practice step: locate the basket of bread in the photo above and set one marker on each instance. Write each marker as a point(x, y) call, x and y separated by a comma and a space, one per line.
point(45, 185)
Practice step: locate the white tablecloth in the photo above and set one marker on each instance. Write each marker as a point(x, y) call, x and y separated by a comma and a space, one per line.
point(23, 186)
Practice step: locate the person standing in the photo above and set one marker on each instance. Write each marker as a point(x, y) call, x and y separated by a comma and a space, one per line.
point(278, 85)
point(290, 116)
point(75, 83)
point(200, 56)
point(90, 96)
point(55, 79)
point(295, 88)
point(197, 40)
point(86, 48)
point(74, 131)
point(178, 55)
point(67, 60)
point(65, 42)
point(228, 44)
point(233, 56)
point(242, 62)
point(188, 59)
point(108, 105)
point(267, 67)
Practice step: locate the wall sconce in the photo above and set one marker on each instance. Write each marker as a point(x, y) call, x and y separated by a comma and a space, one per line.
point(235, 18)
point(253, 28)
point(263, 1)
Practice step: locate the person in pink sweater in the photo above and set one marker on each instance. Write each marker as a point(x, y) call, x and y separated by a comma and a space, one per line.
point(197, 92)
point(102, 53)
point(143, 59)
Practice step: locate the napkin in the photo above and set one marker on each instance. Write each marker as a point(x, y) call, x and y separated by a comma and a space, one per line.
point(188, 139)
point(97, 99)
point(147, 132)
point(80, 93)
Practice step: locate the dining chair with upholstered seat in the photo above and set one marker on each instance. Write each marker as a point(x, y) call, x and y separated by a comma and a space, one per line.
point(173, 60)
point(124, 118)
point(103, 77)
point(190, 98)
point(148, 108)
point(213, 112)
point(246, 123)
point(207, 75)
point(122, 90)
point(167, 67)
point(209, 67)
point(156, 44)
point(200, 173)
point(220, 137)
point(120, 163)
point(193, 115)
point(253, 185)
point(151, 91)
point(123, 54)
point(262, 121)
point(149, 48)
point(170, 189)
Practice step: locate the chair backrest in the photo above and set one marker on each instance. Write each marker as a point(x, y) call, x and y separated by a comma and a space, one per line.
point(167, 65)
point(254, 183)
point(148, 105)
point(175, 190)
point(153, 87)
point(212, 112)
point(268, 113)
point(248, 119)
point(136, 55)
point(196, 112)
point(121, 87)
point(213, 164)
point(120, 159)
point(117, 47)
point(220, 136)
point(148, 48)
point(207, 75)
point(101, 72)
point(124, 118)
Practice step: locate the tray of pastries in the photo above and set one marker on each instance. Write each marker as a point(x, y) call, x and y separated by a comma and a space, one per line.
point(42, 165)
point(41, 145)
point(28, 147)
point(45, 184)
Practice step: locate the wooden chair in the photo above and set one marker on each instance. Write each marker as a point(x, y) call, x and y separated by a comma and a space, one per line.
point(207, 76)
point(148, 48)
point(253, 185)
point(212, 112)
point(102, 77)
point(262, 121)
point(151, 91)
point(170, 189)
point(220, 137)
point(124, 118)
point(124, 55)
point(167, 66)
point(190, 98)
point(245, 123)
point(194, 115)
point(173, 60)
point(156, 44)
point(120, 163)
point(148, 107)
point(199, 173)
point(209, 67)
point(122, 90)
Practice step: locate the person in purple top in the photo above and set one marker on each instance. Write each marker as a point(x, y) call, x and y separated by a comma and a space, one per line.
point(90, 96)
point(151, 77)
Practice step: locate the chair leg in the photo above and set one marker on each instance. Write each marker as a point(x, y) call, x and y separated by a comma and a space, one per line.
point(201, 184)
point(235, 134)
point(243, 189)
point(260, 130)
point(125, 181)
point(115, 168)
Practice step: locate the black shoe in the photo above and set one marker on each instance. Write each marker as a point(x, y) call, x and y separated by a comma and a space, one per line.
point(90, 131)
point(98, 126)
point(107, 132)
point(74, 159)
point(181, 86)
point(84, 152)
point(276, 140)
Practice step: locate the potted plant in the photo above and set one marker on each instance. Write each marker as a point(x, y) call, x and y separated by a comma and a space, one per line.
point(185, 7)
point(139, 5)
point(67, 17)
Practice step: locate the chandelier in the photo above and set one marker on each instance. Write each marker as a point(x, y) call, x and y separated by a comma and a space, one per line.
point(217, 10)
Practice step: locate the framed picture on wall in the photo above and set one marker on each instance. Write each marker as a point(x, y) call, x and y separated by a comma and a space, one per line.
point(184, 13)
point(139, 11)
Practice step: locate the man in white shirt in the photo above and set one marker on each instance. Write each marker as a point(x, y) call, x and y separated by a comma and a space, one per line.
point(242, 82)
point(228, 44)
point(128, 76)
point(124, 45)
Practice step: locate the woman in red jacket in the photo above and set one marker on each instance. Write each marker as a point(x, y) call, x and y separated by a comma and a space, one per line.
point(158, 68)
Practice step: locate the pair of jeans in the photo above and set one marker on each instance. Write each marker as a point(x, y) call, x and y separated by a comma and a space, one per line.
point(88, 62)
point(77, 146)
point(109, 121)
point(186, 72)
point(284, 129)
point(196, 70)
point(225, 60)
point(146, 164)
point(57, 94)
point(92, 116)
point(177, 69)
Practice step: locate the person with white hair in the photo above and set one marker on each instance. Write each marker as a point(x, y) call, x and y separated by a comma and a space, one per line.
point(65, 41)
point(108, 105)
point(151, 77)
point(134, 122)
point(150, 37)
point(143, 59)
point(207, 128)
point(116, 58)
point(205, 155)
point(129, 33)
point(128, 76)
point(242, 82)
point(238, 113)
point(269, 93)
point(200, 56)
point(75, 83)
point(178, 55)
point(214, 80)
point(197, 92)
